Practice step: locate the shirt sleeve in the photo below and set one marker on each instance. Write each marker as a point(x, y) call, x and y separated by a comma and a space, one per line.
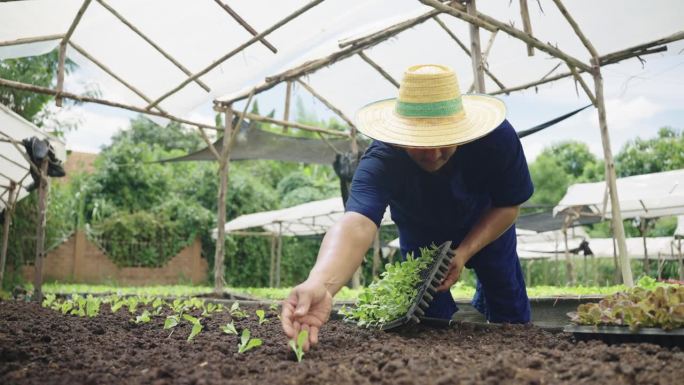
point(369, 195)
point(510, 183)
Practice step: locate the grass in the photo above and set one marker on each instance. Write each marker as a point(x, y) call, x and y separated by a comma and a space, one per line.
point(459, 291)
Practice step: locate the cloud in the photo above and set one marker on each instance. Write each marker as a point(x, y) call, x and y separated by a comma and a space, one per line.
point(95, 129)
point(624, 114)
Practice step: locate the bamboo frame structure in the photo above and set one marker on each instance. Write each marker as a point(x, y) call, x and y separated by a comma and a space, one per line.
point(259, 118)
point(476, 50)
point(13, 189)
point(246, 25)
point(356, 46)
point(527, 24)
point(151, 43)
point(377, 67)
point(467, 50)
point(237, 50)
point(88, 99)
point(351, 47)
point(62, 50)
point(286, 111)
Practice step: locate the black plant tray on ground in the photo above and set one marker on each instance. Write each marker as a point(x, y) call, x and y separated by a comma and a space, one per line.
point(622, 334)
point(431, 277)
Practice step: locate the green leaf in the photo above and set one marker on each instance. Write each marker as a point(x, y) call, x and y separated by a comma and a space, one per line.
point(191, 319)
point(245, 337)
point(261, 314)
point(229, 329)
point(253, 343)
point(302, 337)
point(196, 329)
point(171, 322)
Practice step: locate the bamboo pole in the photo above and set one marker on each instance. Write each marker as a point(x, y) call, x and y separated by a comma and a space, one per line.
point(244, 24)
point(152, 43)
point(14, 162)
point(60, 74)
point(569, 270)
point(62, 51)
point(111, 73)
point(227, 56)
point(351, 48)
point(209, 144)
point(28, 40)
point(643, 227)
point(476, 50)
point(219, 276)
point(467, 51)
point(527, 25)
point(259, 118)
point(9, 210)
point(43, 190)
point(271, 270)
point(641, 49)
point(279, 254)
point(286, 113)
point(584, 85)
point(361, 40)
point(616, 214)
point(87, 99)
point(585, 41)
point(377, 67)
point(327, 103)
point(458, 10)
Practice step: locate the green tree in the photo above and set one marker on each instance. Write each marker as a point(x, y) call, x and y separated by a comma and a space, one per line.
point(644, 156)
point(172, 137)
point(550, 181)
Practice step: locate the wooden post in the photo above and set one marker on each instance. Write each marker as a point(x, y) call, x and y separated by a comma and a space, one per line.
point(60, 73)
point(681, 260)
point(476, 51)
point(286, 113)
point(569, 272)
point(271, 271)
point(224, 167)
point(279, 254)
point(9, 210)
point(43, 189)
point(616, 214)
point(643, 227)
point(356, 278)
point(527, 25)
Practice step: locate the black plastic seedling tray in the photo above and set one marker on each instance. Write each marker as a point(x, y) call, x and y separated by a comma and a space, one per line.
point(431, 277)
point(622, 334)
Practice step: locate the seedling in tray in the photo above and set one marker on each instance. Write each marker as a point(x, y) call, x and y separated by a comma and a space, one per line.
point(404, 292)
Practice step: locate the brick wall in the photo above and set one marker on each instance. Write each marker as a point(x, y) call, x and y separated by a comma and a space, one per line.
point(80, 261)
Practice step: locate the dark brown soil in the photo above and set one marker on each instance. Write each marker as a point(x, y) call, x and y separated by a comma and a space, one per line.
point(41, 346)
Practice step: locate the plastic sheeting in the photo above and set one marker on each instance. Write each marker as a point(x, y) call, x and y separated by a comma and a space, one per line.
point(198, 35)
point(13, 165)
point(646, 196)
point(305, 219)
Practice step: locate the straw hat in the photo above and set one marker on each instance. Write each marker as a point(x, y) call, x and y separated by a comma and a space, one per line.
point(430, 111)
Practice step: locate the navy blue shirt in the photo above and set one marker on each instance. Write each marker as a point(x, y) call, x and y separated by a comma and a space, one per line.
point(435, 207)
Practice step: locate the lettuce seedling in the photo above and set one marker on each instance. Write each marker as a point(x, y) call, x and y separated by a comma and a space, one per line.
point(117, 305)
point(229, 328)
point(262, 316)
point(48, 300)
point(132, 304)
point(196, 326)
point(273, 306)
point(298, 346)
point(171, 321)
point(236, 312)
point(143, 318)
point(246, 343)
point(92, 306)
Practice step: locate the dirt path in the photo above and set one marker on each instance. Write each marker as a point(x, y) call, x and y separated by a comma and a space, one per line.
point(41, 346)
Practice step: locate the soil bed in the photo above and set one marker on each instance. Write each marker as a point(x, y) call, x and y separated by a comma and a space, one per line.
point(41, 346)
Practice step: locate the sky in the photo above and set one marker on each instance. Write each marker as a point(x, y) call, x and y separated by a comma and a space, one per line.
point(640, 98)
